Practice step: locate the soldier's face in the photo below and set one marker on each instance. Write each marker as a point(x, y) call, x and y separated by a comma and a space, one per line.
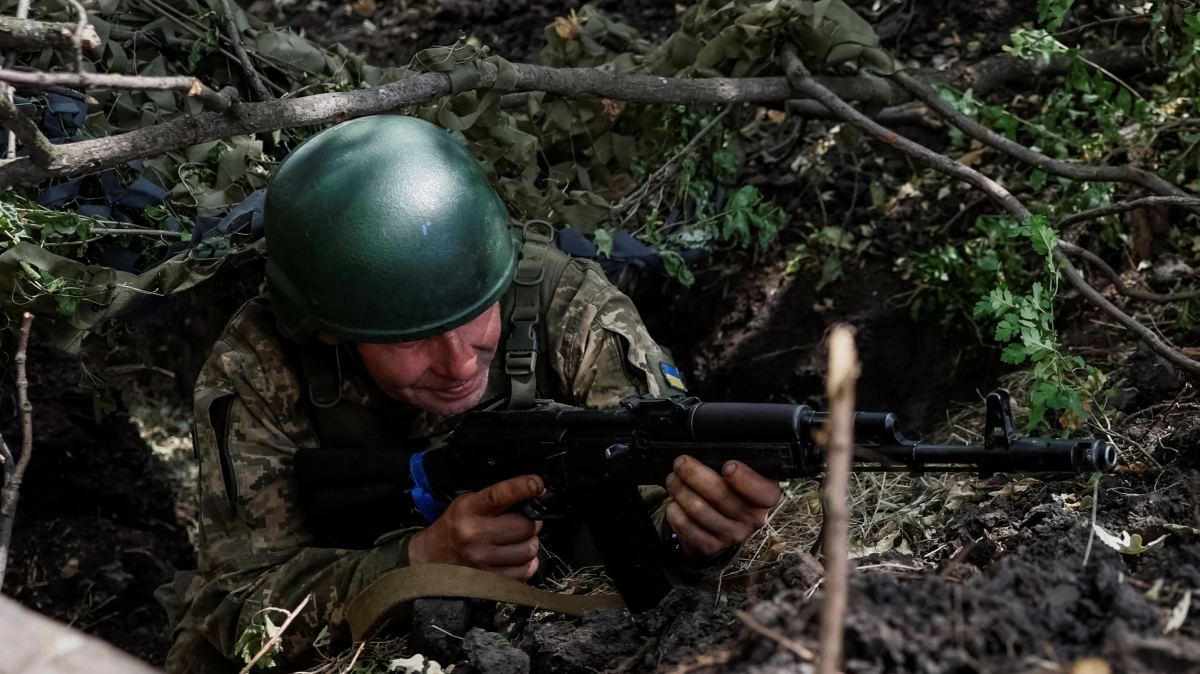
point(445, 374)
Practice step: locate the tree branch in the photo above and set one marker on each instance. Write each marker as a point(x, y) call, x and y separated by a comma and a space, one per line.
point(1112, 174)
point(802, 82)
point(20, 34)
point(77, 36)
point(191, 86)
point(235, 38)
point(1135, 293)
point(12, 482)
point(41, 151)
point(1125, 206)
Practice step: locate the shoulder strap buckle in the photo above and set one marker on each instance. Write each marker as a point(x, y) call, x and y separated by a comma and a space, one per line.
point(520, 358)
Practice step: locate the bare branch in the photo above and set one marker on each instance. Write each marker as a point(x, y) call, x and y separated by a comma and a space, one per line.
point(1136, 293)
point(839, 450)
point(12, 483)
point(775, 635)
point(235, 38)
point(21, 34)
point(800, 79)
point(1114, 174)
point(191, 86)
point(122, 34)
point(77, 36)
point(41, 151)
point(1125, 206)
point(100, 231)
point(291, 615)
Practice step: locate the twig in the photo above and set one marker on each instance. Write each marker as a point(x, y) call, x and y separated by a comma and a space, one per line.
point(354, 659)
point(235, 38)
point(77, 38)
point(1136, 293)
point(275, 639)
point(11, 152)
point(1155, 408)
point(801, 81)
point(839, 450)
point(775, 635)
point(1112, 174)
point(1092, 534)
point(13, 475)
point(629, 205)
point(1125, 206)
point(40, 149)
point(136, 232)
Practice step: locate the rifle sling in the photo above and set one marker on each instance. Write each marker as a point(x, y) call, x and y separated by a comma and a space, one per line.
point(390, 595)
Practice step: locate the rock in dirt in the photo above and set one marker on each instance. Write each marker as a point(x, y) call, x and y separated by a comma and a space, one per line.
point(440, 625)
point(486, 655)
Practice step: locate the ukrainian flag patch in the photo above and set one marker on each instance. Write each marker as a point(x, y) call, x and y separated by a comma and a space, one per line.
point(674, 379)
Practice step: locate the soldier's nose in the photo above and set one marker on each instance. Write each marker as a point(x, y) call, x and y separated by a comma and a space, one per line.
point(458, 357)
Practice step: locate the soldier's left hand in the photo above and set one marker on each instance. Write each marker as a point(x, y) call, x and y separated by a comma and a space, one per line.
point(713, 512)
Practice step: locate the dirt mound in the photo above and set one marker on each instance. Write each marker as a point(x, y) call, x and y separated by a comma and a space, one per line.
point(1004, 587)
point(95, 531)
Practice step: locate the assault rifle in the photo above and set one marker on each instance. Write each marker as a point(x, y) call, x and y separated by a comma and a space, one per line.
point(594, 461)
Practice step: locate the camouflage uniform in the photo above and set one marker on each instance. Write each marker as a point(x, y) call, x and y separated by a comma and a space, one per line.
point(256, 551)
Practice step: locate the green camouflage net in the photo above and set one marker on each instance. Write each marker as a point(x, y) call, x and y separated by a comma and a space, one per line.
point(570, 161)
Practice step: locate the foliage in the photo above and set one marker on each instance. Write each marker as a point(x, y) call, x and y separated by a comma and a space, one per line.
point(1089, 117)
point(1025, 323)
point(254, 638)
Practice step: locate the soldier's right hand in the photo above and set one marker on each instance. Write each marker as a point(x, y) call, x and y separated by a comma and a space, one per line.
point(478, 531)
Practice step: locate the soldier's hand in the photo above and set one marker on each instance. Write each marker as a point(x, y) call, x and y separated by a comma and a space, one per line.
point(713, 512)
point(476, 531)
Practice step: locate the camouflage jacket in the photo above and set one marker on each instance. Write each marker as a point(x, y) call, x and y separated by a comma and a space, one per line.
point(256, 551)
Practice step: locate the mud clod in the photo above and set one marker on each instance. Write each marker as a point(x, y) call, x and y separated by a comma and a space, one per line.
point(485, 655)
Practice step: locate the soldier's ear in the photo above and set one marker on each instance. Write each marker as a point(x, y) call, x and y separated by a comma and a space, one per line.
point(328, 339)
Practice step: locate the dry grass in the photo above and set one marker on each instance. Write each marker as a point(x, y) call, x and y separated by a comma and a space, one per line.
point(375, 657)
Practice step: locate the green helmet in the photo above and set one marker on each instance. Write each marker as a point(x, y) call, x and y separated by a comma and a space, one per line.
point(384, 229)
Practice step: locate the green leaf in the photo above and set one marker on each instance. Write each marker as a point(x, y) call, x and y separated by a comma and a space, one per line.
point(677, 268)
point(322, 639)
point(1124, 102)
point(1013, 353)
point(604, 242)
point(1037, 180)
point(831, 271)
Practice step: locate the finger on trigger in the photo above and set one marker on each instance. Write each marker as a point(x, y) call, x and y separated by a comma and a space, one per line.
point(754, 488)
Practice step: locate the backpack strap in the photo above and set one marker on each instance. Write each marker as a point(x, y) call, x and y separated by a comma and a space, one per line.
point(520, 351)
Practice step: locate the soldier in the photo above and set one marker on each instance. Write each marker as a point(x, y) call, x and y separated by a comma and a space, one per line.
point(401, 296)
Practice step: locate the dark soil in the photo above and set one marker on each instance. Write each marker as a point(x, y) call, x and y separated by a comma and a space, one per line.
point(1008, 592)
point(396, 30)
point(95, 531)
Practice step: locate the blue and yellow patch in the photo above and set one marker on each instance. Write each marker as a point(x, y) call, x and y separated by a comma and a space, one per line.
point(674, 379)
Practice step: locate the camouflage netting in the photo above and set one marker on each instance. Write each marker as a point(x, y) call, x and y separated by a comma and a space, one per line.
point(570, 161)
